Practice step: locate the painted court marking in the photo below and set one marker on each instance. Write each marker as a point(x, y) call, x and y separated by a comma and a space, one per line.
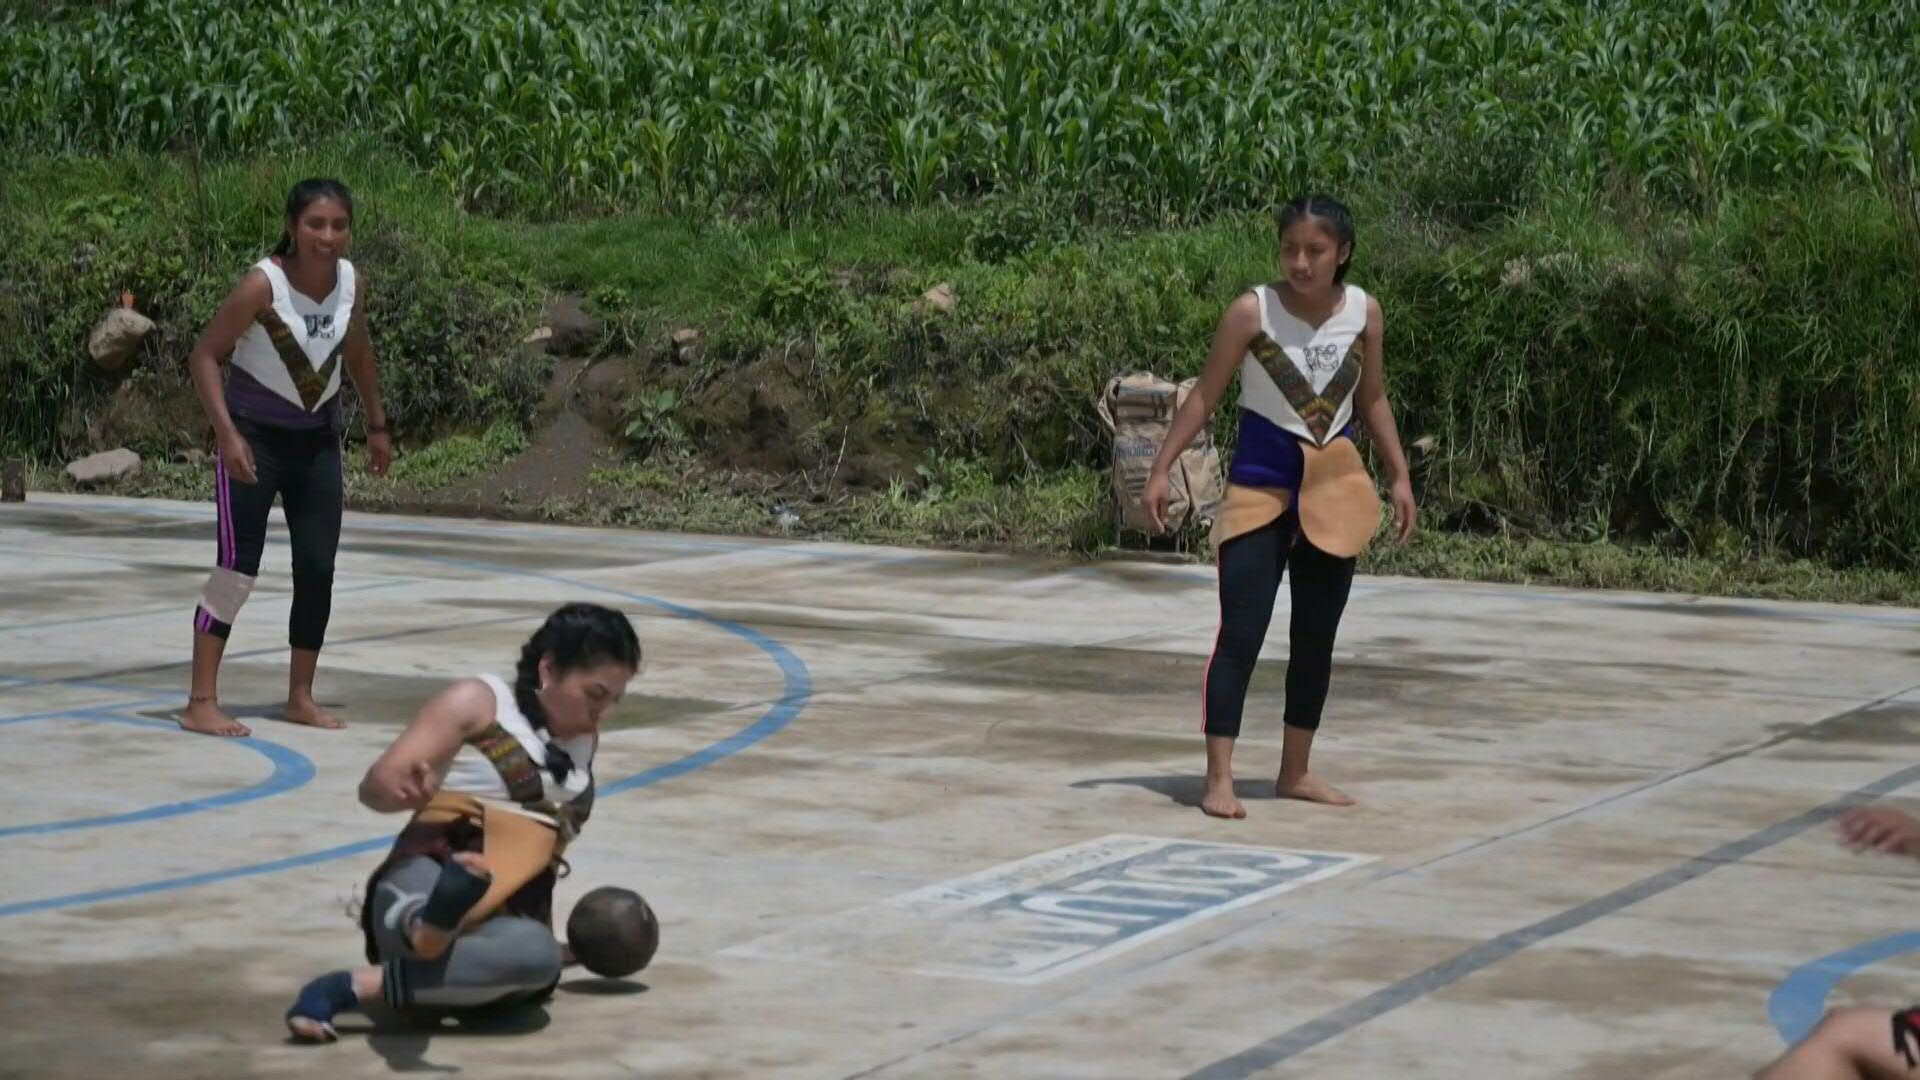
point(797, 691)
point(1044, 916)
point(1797, 1004)
point(1298, 1040)
point(291, 769)
point(1101, 893)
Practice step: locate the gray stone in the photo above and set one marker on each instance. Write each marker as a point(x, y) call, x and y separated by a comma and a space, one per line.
point(117, 336)
point(104, 467)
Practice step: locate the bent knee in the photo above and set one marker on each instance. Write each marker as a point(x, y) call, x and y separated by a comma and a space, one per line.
point(225, 593)
point(530, 958)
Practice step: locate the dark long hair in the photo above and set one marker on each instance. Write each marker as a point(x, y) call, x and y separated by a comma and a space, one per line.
point(305, 194)
point(576, 636)
point(1330, 210)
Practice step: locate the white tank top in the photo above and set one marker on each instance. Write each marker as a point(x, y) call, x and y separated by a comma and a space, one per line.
point(472, 773)
point(1302, 378)
point(294, 346)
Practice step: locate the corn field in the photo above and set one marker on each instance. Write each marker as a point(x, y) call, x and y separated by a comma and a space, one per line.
point(1143, 108)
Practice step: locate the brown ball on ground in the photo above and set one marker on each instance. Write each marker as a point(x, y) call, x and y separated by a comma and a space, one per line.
point(612, 932)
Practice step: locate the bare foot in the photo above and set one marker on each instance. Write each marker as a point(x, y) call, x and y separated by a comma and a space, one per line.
point(1312, 789)
point(1221, 802)
point(203, 717)
point(307, 1029)
point(310, 713)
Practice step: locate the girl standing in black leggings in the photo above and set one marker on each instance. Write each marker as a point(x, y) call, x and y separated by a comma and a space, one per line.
point(1308, 349)
point(290, 326)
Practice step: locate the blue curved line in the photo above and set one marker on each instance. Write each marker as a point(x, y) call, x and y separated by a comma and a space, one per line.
point(1797, 1004)
point(291, 769)
point(798, 690)
point(291, 862)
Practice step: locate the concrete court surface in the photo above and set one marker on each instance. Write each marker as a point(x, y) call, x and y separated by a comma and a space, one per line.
point(921, 814)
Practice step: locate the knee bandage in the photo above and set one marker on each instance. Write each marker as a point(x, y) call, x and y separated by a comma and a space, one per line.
point(226, 593)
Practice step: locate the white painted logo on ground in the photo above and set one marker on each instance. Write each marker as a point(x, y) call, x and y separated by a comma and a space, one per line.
point(1056, 912)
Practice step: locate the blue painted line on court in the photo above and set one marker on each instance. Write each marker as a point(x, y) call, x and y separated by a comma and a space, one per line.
point(797, 680)
point(291, 770)
point(1298, 1040)
point(797, 691)
point(1797, 1004)
point(211, 877)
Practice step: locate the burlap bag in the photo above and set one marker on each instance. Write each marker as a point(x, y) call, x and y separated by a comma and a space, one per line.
point(1138, 409)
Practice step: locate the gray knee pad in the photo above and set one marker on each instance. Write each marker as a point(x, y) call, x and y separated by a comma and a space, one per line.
point(530, 957)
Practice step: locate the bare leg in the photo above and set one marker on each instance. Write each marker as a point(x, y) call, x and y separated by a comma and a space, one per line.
point(1849, 1044)
point(1295, 781)
point(301, 708)
point(1219, 800)
point(202, 713)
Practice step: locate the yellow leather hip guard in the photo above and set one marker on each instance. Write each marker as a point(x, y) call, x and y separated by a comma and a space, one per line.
point(1245, 509)
point(518, 848)
point(1338, 508)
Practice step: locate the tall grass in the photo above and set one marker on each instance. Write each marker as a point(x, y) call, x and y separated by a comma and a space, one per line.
point(1138, 108)
point(1742, 379)
point(1648, 266)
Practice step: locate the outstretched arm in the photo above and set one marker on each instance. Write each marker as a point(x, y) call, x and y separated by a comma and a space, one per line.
point(366, 379)
point(1237, 327)
point(1376, 413)
point(236, 314)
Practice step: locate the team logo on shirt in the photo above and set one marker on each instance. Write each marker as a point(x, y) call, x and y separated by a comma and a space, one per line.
point(1317, 409)
point(309, 380)
point(1319, 358)
point(319, 326)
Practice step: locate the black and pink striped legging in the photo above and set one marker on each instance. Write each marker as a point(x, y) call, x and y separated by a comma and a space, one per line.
point(303, 468)
point(1250, 570)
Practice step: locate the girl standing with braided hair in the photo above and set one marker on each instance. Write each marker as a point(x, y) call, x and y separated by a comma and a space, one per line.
point(1299, 500)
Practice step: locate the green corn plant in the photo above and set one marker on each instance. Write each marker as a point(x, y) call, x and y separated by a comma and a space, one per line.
point(1183, 108)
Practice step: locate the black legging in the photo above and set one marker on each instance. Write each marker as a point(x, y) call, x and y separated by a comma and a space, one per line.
point(1250, 570)
point(303, 468)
